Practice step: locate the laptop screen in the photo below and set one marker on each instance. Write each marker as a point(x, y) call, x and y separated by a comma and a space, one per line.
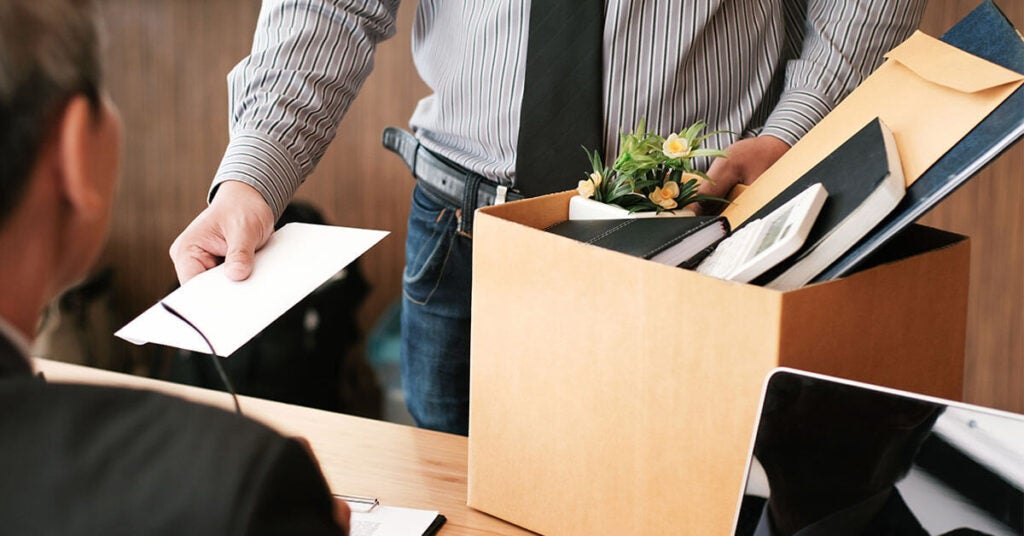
point(844, 458)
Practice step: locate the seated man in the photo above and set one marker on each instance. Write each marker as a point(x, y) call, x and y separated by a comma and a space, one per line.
point(76, 459)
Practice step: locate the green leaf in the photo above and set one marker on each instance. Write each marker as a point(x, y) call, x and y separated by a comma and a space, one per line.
point(690, 134)
point(596, 161)
point(707, 152)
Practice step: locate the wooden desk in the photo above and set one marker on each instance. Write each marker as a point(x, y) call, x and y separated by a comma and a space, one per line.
point(400, 465)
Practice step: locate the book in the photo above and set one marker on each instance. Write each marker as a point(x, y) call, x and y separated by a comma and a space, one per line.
point(679, 242)
point(865, 182)
point(986, 33)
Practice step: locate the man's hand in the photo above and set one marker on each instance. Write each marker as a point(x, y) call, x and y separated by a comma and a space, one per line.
point(747, 160)
point(233, 227)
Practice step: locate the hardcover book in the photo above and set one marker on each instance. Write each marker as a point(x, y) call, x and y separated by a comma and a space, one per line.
point(674, 241)
point(864, 179)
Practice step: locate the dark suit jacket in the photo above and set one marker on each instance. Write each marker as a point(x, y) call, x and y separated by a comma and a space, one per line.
point(78, 459)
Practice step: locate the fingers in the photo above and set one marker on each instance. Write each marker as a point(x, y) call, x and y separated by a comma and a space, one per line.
point(723, 178)
point(236, 224)
point(191, 261)
point(748, 159)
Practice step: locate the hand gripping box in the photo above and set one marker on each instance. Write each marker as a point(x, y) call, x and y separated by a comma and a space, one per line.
point(613, 395)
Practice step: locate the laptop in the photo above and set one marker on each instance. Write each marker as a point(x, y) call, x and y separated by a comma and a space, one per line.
point(839, 457)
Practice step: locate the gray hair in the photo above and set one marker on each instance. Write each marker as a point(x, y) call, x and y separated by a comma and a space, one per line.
point(49, 52)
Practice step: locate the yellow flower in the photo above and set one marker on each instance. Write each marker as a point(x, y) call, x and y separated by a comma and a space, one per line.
point(671, 189)
point(665, 197)
point(676, 147)
point(585, 188)
point(596, 178)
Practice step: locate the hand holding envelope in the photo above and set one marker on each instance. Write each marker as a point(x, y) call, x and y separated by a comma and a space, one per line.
point(929, 93)
point(297, 259)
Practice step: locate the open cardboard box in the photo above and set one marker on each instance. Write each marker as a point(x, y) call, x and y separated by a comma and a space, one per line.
point(612, 395)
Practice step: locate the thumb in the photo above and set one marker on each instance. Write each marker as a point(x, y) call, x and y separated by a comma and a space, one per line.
point(238, 263)
point(241, 255)
point(242, 237)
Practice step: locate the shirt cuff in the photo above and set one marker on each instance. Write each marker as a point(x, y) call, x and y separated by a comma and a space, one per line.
point(796, 113)
point(257, 161)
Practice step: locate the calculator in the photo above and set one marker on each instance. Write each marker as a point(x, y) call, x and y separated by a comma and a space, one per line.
point(762, 243)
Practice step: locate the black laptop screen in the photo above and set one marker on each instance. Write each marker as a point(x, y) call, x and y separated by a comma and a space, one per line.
point(838, 458)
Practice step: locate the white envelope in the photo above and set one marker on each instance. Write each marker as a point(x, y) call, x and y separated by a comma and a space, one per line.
point(296, 260)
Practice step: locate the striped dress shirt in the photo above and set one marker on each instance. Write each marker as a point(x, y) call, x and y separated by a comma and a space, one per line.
point(772, 67)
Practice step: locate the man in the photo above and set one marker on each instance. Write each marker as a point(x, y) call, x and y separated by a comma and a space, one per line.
point(80, 459)
point(765, 71)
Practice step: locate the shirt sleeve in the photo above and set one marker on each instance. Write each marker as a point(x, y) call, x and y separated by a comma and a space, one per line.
point(843, 42)
point(308, 60)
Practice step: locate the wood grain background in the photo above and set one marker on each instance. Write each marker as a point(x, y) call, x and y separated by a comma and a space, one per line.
point(167, 60)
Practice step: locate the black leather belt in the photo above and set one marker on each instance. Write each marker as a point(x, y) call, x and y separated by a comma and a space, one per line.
point(453, 183)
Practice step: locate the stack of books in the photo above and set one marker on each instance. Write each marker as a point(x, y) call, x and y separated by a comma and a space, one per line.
point(873, 192)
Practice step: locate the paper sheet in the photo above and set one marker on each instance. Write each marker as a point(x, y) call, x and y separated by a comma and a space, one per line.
point(296, 260)
point(392, 521)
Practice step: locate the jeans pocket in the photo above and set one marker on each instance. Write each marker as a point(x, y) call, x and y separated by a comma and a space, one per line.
point(429, 239)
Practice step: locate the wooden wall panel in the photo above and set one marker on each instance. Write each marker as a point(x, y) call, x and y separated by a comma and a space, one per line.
point(167, 63)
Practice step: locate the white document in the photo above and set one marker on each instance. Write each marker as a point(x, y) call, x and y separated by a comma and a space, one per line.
point(296, 260)
point(393, 521)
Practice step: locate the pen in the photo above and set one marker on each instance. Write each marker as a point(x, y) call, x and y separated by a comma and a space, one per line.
point(357, 503)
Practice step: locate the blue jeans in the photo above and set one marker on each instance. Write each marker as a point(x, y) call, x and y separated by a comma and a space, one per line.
point(436, 288)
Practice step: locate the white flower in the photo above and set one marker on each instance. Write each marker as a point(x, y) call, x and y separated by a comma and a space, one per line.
point(596, 178)
point(676, 147)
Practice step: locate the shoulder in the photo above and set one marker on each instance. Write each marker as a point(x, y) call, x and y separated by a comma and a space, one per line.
point(137, 461)
point(126, 419)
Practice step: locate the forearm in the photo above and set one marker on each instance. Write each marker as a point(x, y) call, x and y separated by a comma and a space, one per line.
point(844, 41)
point(308, 61)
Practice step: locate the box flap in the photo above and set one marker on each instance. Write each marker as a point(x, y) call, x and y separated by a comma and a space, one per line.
point(540, 212)
point(911, 306)
point(949, 66)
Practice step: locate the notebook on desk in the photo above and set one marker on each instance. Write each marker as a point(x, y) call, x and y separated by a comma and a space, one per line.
point(834, 456)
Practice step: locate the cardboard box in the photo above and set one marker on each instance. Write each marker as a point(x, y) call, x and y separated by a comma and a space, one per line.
point(611, 395)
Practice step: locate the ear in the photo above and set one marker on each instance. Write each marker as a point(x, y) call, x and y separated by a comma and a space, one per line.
point(78, 138)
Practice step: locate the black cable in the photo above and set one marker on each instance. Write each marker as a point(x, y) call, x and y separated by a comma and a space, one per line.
point(213, 355)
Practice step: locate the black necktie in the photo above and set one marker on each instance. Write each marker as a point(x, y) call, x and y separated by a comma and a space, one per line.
point(561, 108)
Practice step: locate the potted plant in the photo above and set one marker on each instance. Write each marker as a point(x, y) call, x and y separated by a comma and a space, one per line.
point(652, 176)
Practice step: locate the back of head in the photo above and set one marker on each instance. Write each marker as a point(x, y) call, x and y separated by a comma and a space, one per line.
point(49, 52)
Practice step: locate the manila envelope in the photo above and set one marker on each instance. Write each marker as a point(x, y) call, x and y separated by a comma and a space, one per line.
point(930, 94)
